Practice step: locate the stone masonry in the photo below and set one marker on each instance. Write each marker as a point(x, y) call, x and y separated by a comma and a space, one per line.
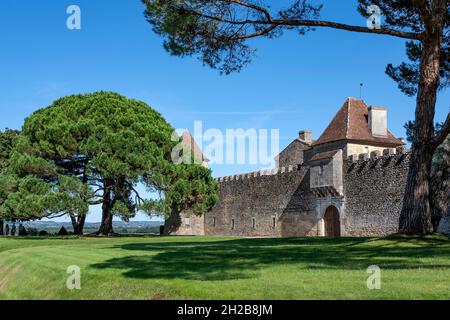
point(323, 187)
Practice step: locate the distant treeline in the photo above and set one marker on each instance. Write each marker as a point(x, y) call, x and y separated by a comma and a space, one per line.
point(133, 227)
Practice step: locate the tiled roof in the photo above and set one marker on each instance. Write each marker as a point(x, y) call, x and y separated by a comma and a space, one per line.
point(324, 155)
point(350, 123)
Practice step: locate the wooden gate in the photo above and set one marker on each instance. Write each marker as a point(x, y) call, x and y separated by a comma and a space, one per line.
point(332, 222)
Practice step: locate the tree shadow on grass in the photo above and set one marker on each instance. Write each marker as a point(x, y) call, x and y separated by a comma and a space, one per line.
point(243, 258)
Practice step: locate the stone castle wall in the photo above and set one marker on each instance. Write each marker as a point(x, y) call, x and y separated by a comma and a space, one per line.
point(374, 187)
point(281, 203)
point(273, 203)
point(185, 224)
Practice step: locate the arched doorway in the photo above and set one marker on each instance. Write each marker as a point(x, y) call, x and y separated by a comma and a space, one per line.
point(332, 222)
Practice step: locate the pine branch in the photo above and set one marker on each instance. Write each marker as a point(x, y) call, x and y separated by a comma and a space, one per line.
point(273, 23)
point(341, 26)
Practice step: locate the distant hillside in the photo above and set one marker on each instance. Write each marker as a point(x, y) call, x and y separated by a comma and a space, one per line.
point(141, 227)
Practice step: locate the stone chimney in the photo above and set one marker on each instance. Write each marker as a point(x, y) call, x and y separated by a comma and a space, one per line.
point(305, 136)
point(378, 121)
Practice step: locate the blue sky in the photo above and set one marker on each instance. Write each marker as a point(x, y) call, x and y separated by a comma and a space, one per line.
point(294, 82)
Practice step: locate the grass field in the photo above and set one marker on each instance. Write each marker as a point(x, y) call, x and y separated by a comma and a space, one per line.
point(225, 268)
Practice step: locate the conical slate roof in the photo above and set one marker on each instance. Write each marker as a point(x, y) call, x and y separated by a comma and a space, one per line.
point(351, 124)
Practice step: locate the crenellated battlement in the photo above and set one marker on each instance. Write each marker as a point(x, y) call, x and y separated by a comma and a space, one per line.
point(386, 154)
point(378, 155)
point(263, 173)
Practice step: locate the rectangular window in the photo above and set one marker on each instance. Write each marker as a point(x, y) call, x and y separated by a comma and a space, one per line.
point(253, 223)
point(274, 222)
point(232, 224)
point(214, 221)
point(187, 221)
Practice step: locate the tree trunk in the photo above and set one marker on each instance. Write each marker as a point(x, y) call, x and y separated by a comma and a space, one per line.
point(415, 217)
point(439, 205)
point(1, 228)
point(78, 221)
point(440, 183)
point(106, 228)
point(78, 224)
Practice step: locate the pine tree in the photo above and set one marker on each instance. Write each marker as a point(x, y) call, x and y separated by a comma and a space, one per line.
point(6, 143)
point(95, 149)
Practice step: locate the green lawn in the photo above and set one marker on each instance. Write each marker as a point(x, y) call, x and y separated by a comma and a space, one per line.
point(225, 268)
